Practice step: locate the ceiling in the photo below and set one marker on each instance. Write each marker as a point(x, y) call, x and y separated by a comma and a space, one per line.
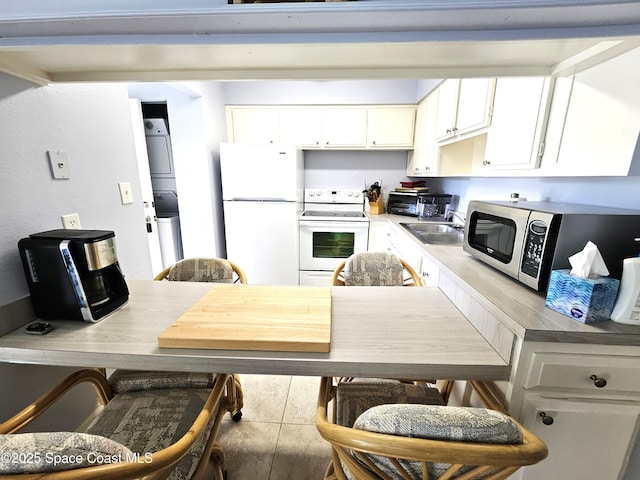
point(344, 40)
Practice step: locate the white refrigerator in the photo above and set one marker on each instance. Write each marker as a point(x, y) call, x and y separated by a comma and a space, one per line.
point(262, 193)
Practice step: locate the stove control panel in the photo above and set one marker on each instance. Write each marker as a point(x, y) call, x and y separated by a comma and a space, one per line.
point(320, 195)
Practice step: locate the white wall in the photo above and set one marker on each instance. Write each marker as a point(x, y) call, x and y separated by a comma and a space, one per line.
point(621, 192)
point(92, 124)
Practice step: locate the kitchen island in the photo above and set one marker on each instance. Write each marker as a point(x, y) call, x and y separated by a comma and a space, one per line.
point(583, 380)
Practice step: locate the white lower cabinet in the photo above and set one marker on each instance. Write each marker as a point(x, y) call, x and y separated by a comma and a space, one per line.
point(583, 401)
point(429, 272)
point(587, 439)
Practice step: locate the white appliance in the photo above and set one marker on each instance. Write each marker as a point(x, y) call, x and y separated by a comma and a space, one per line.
point(169, 233)
point(333, 226)
point(262, 191)
point(159, 148)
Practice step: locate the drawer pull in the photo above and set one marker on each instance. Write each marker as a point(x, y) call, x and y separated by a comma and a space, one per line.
point(546, 419)
point(598, 381)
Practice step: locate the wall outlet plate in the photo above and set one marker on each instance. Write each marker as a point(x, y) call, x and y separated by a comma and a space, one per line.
point(59, 162)
point(71, 221)
point(126, 196)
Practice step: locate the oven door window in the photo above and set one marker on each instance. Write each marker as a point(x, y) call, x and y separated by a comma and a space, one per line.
point(333, 244)
point(492, 235)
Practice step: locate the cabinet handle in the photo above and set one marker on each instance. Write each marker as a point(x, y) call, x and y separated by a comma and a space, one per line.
point(598, 381)
point(486, 162)
point(546, 419)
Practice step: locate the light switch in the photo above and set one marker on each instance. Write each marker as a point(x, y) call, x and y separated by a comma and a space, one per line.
point(125, 192)
point(59, 164)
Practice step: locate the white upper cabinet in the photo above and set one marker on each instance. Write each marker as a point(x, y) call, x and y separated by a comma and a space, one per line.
point(344, 127)
point(301, 126)
point(518, 123)
point(423, 160)
point(391, 127)
point(464, 107)
point(252, 125)
point(324, 127)
point(595, 120)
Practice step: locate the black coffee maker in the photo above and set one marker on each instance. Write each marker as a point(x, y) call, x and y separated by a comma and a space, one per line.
point(73, 274)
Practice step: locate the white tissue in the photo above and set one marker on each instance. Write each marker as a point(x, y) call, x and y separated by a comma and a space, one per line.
point(588, 263)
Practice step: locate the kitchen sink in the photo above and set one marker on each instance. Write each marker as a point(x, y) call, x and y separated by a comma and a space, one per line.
point(436, 233)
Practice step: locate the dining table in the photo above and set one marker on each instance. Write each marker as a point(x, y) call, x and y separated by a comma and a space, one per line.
point(390, 332)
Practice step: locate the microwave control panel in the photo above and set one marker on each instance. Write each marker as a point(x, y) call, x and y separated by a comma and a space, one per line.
point(533, 248)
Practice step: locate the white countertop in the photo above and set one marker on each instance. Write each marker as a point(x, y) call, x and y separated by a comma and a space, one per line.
point(519, 308)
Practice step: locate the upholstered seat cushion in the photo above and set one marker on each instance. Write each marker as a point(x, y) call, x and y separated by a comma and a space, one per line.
point(56, 451)
point(354, 398)
point(463, 424)
point(136, 380)
point(216, 270)
point(150, 420)
point(373, 269)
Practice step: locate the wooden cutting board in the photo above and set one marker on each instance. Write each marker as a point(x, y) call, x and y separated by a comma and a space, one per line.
point(255, 317)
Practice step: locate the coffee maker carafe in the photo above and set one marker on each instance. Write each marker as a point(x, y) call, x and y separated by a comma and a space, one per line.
point(73, 274)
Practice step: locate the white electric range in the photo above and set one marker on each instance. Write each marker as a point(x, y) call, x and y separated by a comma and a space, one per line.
point(333, 226)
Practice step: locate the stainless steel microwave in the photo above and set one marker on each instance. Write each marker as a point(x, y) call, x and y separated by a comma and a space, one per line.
point(526, 240)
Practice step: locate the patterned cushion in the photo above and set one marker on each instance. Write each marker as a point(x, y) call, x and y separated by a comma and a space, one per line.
point(373, 269)
point(466, 424)
point(216, 270)
point(135, 380)
point(354, 398)
point(150, 420)
point(56, 451)
point(463, 424)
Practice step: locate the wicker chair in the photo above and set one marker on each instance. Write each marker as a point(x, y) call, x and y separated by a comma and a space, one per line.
point(375, 269)
point(154, 433)
point(424, 441)
point(214, 270)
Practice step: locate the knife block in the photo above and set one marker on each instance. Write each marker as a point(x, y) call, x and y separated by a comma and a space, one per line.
point(377, 207)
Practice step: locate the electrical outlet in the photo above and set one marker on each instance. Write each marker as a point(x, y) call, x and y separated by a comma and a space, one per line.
point(126, 196)
point(71, 221)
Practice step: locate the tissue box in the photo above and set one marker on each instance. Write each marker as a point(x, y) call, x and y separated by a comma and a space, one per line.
point(583, 299)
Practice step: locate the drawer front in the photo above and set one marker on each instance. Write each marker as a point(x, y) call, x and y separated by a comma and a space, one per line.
point(594, 373)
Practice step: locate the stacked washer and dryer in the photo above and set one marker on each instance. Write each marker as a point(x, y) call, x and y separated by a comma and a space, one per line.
point(163, 181)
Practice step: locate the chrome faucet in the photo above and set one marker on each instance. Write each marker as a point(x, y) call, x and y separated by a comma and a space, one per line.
point(462, 217)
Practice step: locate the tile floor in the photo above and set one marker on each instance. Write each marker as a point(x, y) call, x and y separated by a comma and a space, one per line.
point(276, 438)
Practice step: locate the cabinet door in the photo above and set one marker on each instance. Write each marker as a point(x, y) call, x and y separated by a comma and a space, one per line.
point(378, 236)
point(253, 125)
point(517, 122)
point(390, 127)
point(301, 126)
point(587, 439)
point(598, 120)
point(429, 272)
point(423, 160)
point(447, 106)
point(344, 127)
point(475, 98)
